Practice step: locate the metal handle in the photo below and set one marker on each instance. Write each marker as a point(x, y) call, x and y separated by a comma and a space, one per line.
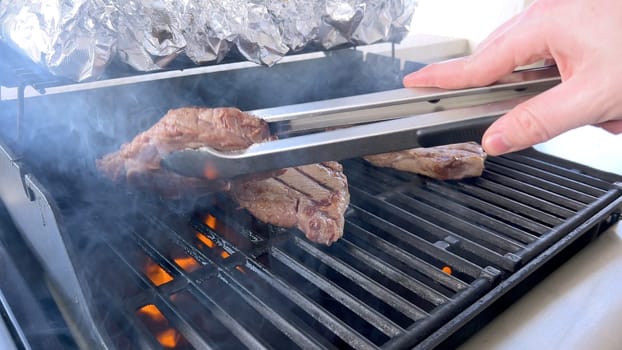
point(385, 105)
point(374, 138)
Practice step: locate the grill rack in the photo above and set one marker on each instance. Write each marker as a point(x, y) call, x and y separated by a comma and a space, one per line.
point(575, 202)
point(385, 284)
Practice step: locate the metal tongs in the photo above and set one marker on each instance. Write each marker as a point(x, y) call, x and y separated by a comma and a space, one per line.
point(366, 124)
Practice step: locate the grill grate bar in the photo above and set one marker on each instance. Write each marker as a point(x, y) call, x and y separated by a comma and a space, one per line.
point(155, 295)
point(533, 202)
point(146, 339)
point(294, 332)
point(117, 302)
point(334, 324)
point(397, 276)
point(585, 180)
point(486, 208)
point(555, 179)
point(181, 324)
point(406, 240)
point(166, 240)
point(242, 333)
point(509, 203)
point(370, 315)
point(188, 303)
point(461, 228)
point(470, 214)
point(407, 220)
point(289, 311)
point(537, 192)
point(413, 262)
point(232, 325)
point(374, 180)
point(395, 301)
point(582, 216)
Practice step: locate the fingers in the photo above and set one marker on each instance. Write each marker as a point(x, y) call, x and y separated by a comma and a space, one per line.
point(522, 43)
point(613, 126)
point(540, 118)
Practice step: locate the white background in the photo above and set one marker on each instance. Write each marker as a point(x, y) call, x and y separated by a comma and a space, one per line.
point(472, 20)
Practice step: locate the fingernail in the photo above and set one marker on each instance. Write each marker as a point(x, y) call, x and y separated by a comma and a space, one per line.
point(408, 80)
point(496, 144)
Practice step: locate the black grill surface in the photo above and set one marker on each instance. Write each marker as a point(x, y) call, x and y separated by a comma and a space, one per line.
point(416, 257)
point(419, 261)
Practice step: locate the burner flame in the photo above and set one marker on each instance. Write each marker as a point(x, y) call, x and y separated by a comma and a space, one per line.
point(168, 338)
point(156, 274)
point(187, 263)
point(205, 240)
point(152, 312)
point(155, 321)
point(213, 223)
point(210, 221)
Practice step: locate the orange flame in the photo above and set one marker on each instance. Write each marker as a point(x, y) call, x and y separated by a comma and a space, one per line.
point(152, 312)
point(187, 263)
point(155, 320)
point(168, 338)
point(447, 269)
point(224, 254)
point(157, 274)
point(206, 240)
point(210, 221)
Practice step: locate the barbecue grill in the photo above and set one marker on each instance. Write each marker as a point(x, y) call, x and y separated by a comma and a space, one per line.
point(422, 263)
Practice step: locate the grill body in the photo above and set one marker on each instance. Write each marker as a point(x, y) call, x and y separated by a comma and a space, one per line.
point(420, 261)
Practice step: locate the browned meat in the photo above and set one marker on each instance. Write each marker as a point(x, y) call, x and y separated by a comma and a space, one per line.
point(138, 162)
point(449, 162)
point(313, 198)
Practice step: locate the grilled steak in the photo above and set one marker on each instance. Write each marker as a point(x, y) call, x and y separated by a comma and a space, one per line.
point(313, 198)
point(138, 162)
point(449, 162)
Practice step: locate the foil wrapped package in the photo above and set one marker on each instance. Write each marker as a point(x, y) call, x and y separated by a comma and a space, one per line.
point(78, 39)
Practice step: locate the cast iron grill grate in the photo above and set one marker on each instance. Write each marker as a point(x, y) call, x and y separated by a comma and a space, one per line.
point(416, 252)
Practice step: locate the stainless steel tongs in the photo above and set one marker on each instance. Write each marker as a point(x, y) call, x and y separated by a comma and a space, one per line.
point(367, 124)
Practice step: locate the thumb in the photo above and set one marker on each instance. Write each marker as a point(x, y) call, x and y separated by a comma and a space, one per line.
point(540, 118)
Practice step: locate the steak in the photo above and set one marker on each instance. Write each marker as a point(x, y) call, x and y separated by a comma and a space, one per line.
point(313, 198)
point(448, 162)
point(138, 162)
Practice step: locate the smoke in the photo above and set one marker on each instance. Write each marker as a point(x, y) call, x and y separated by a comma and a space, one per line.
point(62, 135)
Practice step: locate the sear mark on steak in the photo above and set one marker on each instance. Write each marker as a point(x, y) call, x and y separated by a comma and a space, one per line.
point(313, 198)
point(138, 162)
point(448, 162)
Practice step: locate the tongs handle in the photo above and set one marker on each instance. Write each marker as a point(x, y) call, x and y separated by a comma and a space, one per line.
point(355, 141)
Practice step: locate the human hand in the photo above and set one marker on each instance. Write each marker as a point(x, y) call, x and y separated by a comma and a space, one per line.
point(583, 37)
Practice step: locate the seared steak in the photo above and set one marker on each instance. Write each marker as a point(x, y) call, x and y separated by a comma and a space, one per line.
point(138, 162)
point(313, 198)
point(448, 162)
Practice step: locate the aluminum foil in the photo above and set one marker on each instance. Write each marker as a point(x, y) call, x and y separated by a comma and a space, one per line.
point(74, 39)
point(79, 38)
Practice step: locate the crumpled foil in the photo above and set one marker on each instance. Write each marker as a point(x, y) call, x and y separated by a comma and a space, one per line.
point(79, 38)
point(74, 39)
